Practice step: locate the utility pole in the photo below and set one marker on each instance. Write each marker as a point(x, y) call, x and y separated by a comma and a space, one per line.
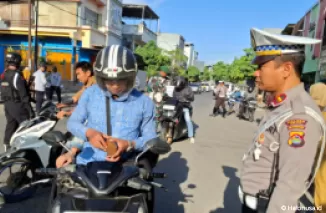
point(29, 52)
point(36, 38)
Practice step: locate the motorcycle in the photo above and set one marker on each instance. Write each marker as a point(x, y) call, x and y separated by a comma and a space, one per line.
point(173, 124)
point(30, 152)
point(247, 109)
point(104, 186)
point(232, 101)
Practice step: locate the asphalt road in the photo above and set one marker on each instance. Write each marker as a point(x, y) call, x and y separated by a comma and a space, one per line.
point(202, 177)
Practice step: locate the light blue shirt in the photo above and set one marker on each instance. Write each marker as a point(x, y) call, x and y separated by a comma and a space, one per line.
point(132, 118)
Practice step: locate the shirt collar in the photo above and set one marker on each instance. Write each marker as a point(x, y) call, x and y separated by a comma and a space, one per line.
point(288, 95)
point(130, 95)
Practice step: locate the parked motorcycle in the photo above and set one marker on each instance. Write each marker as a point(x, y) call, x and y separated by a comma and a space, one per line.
point(104, 186)
point(29, 152)
point(173, 124)
point(247, 109)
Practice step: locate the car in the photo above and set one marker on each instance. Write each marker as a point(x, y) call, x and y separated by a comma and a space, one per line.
point(205, 87)
point(196, 88)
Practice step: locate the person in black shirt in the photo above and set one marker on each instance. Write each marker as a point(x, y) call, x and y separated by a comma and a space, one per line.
point(14, 93)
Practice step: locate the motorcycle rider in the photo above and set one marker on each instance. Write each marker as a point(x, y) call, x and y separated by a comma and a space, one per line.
point(220, 95)
point(85, 75)
point(184, 94)
point(157, 92)
point(131, 112)
point(16, 97)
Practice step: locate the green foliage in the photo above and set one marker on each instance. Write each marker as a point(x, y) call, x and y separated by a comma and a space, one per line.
point(240, 69)
point(153, 57)
point(193, 73)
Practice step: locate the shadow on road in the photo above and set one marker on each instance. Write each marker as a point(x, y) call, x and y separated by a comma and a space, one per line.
point(177, 170)
point(231, 199)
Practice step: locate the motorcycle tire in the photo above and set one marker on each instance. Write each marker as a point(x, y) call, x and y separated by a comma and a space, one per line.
point(20, 180)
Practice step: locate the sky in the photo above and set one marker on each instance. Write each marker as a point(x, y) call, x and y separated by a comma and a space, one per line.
point(220, 29)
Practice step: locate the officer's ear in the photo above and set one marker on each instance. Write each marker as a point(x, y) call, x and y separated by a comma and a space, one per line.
point(288, 69)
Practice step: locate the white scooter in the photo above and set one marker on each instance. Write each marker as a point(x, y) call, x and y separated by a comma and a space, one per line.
point(30, 152)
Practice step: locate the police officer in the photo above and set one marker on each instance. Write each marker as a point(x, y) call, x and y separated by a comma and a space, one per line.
point(276, 169)
point(15, 95)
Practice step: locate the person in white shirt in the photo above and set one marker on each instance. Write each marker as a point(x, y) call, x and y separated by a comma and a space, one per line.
point(56, 83)
point(40, 82)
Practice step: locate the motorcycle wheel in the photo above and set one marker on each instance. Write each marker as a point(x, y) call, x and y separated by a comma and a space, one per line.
point(18, 184)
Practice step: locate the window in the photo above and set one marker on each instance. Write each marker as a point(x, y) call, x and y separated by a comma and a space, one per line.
point(92, 19)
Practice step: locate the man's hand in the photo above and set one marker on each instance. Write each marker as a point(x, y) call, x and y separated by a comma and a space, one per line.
point(122, 147)
point(64, 159)
point(63, 114)
point(96, 139)
point(60, 105)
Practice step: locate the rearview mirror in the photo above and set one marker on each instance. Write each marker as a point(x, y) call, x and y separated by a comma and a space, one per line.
point(158, 146)
point(54, 138)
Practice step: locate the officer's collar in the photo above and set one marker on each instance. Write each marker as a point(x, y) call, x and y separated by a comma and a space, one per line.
point(280, 99)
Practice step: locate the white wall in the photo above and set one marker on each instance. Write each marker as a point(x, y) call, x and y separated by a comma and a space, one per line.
point(189, 52)
point(169, 41)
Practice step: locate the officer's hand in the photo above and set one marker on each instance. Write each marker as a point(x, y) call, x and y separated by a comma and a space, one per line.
point(64, 160)
point(96, 139)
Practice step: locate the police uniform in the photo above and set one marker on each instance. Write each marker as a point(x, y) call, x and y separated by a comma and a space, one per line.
point(277, 168)
point(16, 98)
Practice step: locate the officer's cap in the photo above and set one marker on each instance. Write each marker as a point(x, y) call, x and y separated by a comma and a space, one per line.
point(220, 81)
point(268, 45)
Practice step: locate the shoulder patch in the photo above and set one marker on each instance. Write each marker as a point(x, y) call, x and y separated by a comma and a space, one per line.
point(296, 139)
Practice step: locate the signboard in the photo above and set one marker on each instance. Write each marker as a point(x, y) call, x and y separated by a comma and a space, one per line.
point(115, 17)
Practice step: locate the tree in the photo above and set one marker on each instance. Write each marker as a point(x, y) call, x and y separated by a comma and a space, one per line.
point(205, 75)
point(193, 73)
point(152, 57)
point(240, 69)
point(220, 71)
point(179, 60)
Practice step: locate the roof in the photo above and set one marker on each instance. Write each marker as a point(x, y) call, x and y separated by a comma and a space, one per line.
point(136, 11)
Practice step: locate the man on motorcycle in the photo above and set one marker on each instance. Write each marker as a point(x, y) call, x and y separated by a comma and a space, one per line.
point(131, 113)
point(157, 91)
point(184, 94)
point(85, 75)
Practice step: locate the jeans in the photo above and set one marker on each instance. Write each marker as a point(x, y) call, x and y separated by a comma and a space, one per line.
point(190, 127)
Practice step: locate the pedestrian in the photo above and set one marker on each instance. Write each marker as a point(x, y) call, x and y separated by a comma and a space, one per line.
point(220, 94)
point(277, 168)
point(318, 94)
point(14, 93)
point(56, 83)
point(40, 82)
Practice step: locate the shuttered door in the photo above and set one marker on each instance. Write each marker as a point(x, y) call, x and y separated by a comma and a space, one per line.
point(62, 61)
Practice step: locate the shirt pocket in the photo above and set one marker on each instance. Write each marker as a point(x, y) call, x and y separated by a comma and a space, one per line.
point(132, 120)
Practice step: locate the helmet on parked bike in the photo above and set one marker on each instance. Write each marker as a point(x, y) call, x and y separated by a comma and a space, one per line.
point(13, 59)
point(115, 62)
point(180, 82)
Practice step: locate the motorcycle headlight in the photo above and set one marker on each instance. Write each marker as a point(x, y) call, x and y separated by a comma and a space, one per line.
point(18, 141)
